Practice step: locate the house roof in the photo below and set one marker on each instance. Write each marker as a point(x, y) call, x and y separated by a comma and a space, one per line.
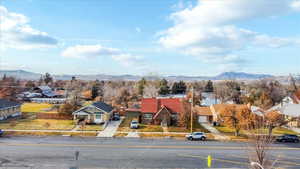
point(44, 87)
point(103, 106)
point(153, 105)
point(6, 103)
point(202, 111)
point(292, 110)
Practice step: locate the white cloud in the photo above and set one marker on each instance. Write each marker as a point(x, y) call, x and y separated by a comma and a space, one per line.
point(92, 51)
point(17, 33)
point(296, 5)
point(208, 31)
point(88, 51)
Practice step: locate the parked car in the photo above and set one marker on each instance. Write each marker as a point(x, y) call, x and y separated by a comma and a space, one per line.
point(116, 117)
point(196, 136)
point(134, 124)
point(288, 138)
point(1, 132)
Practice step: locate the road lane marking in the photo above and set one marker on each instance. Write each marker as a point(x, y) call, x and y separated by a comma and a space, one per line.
point(216, 159)
point(141, 146)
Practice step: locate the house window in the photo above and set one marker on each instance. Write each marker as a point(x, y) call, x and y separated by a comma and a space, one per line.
point(98, 116)
point(148, 116)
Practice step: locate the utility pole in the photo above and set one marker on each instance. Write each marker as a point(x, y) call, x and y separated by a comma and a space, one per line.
point(192, 105)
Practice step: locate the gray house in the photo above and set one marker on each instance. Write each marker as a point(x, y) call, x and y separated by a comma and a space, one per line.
point(9, 109)
point(98, 113)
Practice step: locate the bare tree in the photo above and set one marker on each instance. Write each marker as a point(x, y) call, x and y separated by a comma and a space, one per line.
point(151, 90)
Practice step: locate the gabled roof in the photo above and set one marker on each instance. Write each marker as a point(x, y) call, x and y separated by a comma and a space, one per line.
point(153, 105)
point(163, 108)
point(103, 106)
point(6, 103)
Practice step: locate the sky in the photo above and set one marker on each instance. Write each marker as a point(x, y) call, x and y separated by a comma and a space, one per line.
point(141, 37)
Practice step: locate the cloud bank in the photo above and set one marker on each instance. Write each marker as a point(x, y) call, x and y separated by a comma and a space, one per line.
point(93, 51)
point(208, 30)
point(17, 33)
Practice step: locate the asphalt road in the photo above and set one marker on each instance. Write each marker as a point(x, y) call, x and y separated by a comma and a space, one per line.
point(59, 153)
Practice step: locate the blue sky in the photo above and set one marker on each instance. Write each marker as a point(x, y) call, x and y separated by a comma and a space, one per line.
point(166, 37)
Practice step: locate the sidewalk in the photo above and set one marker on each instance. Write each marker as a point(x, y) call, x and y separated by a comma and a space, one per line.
point(110, 129)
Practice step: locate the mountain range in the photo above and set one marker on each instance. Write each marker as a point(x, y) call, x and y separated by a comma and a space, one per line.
point(22, 74)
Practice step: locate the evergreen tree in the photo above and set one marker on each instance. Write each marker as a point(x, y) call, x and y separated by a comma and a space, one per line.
point(179, 88)
point(209, 87)
point(48, 78)
point(164, 89)
point(141, 86)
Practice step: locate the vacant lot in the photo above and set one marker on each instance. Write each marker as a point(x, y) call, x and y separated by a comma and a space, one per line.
point(35, 107)
point(38, 124)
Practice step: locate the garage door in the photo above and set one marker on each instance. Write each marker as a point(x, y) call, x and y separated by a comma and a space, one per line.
point(202, 119)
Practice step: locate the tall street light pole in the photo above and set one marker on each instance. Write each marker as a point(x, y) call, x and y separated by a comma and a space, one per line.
point(192, 105)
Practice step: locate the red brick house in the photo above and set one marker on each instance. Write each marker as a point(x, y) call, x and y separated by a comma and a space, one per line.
point(161, 111)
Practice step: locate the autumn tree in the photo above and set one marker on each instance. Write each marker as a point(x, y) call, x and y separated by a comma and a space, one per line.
point(9, 87)
point(67, 108)
point(274, 119)
point(30, 84)
point(238, 118)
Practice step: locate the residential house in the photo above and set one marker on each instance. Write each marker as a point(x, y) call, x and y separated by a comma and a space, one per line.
point(204, 114)
point(161, 111)
point(290, 108)
point(97, 113)
point(43, 94)
point(209, 98)
point(46, 91)
point(9, 109)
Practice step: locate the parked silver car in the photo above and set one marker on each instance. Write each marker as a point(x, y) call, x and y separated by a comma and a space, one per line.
point(196, 136)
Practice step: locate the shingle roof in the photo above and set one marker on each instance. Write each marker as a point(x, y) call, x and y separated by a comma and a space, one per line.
point(5, 103)
point(103, 106)
point(153, 105)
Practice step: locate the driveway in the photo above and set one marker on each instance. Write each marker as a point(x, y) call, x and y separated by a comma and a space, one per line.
point(110, 129)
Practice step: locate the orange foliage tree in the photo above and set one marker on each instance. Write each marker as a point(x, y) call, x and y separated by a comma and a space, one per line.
point(274, 119)
point(238, 118)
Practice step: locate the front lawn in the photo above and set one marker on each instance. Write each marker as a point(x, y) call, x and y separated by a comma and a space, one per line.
point(38, 124)
point(276, 131)
point(196, 128)
point(35, 107)
point(92, 127)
